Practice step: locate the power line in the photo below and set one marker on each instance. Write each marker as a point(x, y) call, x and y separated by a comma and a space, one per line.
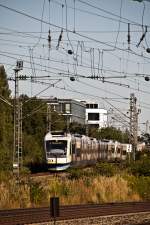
point(120, 17)
point(72, 74)
point(110, 13)
point(126, 21)
point(124, 75)
point(38, 41)
point(91, 95)
point(81, 35)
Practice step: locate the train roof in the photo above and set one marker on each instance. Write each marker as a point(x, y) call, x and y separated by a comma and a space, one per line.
point(57, 134)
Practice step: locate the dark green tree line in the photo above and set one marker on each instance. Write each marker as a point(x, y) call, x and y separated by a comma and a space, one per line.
point(6, 123)
point(110, 133)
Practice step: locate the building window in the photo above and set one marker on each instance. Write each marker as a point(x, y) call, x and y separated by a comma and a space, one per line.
point(92, 106)
point(93, 116)
point(95, 106)
point(67, 108)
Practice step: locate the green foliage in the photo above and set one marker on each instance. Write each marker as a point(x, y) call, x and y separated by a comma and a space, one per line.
point(4, 88)
point(36, 193)
point(64, 190)
point(34, 129)
point(106, 169)
point(110, 133)
point(34, 117)
point(141, 186)
point(140, 167)
point(145, 137)
point(143, 155)
point(33, 152)
point(75, 173)
point(6, 123)
point(77, 128)
point(57, 121)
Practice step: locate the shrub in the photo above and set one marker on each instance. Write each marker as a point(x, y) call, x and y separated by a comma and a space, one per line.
point(106, 169)
point(36, 193)
point(141, 186)
point(75, 173)
point(140, 168)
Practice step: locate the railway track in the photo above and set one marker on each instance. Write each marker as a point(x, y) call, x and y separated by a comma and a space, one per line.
point(37, 215)
point(49, 174)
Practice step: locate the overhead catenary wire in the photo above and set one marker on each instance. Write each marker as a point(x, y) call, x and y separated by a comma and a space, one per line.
point(103, 98)
point(76, 33)
point(124, 20)
point(67, 27)
point(5, 100)
point(41, 21)
point(81, 76)
point(110, 13)
point(119, 24)
point(66, 72)
point(106, 98)
point(82, 93)
point(84, 66)
point(108, 53)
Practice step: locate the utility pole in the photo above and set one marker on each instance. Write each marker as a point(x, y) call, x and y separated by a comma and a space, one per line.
point(17, 153)
point(86, 128)
point(147, 127)
point(133, 124)
point(49, 118)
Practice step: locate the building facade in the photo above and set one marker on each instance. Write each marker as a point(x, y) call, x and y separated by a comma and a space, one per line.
point(81, 112)
point(74, 111)
point(95, 116)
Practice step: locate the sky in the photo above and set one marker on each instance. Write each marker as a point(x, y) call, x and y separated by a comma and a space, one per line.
point(105, 67)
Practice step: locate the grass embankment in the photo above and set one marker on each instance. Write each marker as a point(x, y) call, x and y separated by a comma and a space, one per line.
point(77, 188)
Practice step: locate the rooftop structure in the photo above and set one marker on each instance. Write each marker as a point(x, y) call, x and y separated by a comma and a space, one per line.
point(95, 116)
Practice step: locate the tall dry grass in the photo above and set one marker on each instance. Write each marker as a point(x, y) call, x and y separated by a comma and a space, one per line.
point(12, 193)
point(37, 192)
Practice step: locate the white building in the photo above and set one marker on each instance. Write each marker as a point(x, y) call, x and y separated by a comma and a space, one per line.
point(95, 116)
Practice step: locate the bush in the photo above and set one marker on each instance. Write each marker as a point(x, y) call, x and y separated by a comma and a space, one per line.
point(106, 169)
point(75, 173)
point(36, 193)
point(141, 186)
point(140, 168)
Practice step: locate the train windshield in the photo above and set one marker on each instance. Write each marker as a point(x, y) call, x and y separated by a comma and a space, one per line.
point(56, 147)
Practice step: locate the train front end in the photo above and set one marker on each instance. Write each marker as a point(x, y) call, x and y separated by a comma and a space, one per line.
point(58, 151)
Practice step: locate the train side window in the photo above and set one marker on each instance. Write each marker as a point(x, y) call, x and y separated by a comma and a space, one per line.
point(73, 149)
point(70, 149)
point(118, 150)
point(124, 152)
point(78, 152)
point(112, 150)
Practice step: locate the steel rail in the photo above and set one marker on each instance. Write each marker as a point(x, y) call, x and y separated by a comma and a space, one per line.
point(37, 215)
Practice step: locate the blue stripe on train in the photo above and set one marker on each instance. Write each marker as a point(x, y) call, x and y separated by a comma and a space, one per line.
point(58, 166)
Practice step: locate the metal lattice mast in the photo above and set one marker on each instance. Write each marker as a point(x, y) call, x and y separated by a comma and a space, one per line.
point(133, 124)
point(49, 118)
point(17, 153)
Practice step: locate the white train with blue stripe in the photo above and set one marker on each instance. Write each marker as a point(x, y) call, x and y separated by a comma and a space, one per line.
point(64, 150)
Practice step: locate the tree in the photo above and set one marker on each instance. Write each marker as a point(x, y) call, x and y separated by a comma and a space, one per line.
point(75, 127)
point(6, 123)
point(35, 128)
point(110, 133)
point(145, 137)
point(57, 121)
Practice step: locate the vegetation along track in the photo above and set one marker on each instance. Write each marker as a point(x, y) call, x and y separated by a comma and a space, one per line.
point(33, 215)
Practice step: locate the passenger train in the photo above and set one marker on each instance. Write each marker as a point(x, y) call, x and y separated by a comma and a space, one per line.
point(64, 150)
